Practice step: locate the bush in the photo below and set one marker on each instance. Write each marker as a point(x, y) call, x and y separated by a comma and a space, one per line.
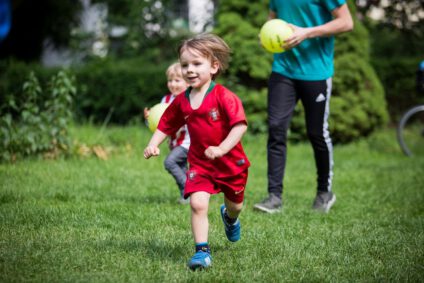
point(398, 76)
point(121, 88)
point(13, 73)
point(255, 106)
point(358, 106)
point(36, 121)
point(396, 64)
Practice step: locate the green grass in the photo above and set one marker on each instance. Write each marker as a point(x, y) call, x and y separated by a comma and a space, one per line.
point(88, 220)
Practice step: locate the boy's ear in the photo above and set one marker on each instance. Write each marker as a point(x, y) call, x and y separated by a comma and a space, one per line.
point(214, 67)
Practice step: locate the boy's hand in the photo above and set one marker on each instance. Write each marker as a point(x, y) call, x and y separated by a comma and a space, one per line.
point(146, 112)
point(150, 151)
point(213, 152)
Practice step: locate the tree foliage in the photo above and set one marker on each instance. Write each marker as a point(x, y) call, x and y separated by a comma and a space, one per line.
point(238, 22)
point(406, 15)
point(401, 21)
point(397, 44)
point(149, 24)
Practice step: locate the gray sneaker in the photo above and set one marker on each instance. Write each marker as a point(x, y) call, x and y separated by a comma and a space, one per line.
point(182, 200)
point(271, 204)
point(324, 201)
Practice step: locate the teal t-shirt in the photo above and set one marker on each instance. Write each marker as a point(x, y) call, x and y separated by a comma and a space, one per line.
point(312, 60)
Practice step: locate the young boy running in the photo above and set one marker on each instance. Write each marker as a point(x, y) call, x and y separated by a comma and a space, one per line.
point(179, 142)
point(216, 121)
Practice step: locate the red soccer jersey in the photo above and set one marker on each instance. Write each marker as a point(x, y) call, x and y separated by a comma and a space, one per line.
point(208, 126)
point(180, 138)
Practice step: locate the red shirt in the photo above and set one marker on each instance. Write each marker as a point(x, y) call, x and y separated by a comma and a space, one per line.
point(181, 137)
point(208, 126)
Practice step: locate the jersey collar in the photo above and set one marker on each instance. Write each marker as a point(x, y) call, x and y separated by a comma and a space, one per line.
point(211, 86)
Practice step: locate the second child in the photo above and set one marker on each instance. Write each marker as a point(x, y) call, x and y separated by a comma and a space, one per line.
point(179, 142)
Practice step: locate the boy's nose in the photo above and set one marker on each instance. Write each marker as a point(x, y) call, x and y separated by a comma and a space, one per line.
point(189, 68)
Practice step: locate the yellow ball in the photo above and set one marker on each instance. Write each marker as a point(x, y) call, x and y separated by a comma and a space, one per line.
point(273, 34)
point(155, 114)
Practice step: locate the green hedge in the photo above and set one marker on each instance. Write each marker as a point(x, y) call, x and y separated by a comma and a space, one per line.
point(121, 88)
point(358, 106)
point(14, 73)
point(398, 76)
point(36, 119)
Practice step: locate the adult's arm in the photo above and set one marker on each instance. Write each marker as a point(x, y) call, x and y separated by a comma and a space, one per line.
point(341, 22)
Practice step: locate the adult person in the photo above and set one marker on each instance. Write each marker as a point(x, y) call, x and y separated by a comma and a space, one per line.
point(303, 72)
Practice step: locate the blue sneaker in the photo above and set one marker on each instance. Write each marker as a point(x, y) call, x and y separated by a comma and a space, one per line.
point(200, 260)
point(231, 230)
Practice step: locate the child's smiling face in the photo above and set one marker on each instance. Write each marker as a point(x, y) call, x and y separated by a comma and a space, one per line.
point(176, 84)
point(197, 69)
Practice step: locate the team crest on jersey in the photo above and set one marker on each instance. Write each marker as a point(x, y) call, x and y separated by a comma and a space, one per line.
point(191, 175)
point(241, 162)
point(214, 114)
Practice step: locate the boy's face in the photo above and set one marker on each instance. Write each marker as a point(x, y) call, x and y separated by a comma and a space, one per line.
point(176, 84)
point(197, 69)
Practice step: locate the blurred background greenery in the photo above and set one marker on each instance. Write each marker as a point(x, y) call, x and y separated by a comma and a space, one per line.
point(114, 53)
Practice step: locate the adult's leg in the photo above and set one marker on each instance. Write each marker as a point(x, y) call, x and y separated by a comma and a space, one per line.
point(281, 103)
point(315, 97)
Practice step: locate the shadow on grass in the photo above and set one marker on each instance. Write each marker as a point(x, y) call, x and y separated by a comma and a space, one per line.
point(159, 199)
point(164, 250)
point(151, 249)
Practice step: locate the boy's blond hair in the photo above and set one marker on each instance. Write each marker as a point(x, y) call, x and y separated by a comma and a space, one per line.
point(211, 46)
point(174, 70)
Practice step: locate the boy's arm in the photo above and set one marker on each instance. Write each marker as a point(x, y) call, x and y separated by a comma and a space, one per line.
point(233, 138)
point(152, 149)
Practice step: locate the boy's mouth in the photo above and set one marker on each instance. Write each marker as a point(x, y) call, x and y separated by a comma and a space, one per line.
point(192, 80)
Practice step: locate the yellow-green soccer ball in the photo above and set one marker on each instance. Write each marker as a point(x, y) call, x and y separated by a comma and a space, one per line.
point(155, 114)
point(273, 34)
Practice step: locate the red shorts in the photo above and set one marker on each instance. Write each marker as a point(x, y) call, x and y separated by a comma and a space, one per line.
point(232, 187)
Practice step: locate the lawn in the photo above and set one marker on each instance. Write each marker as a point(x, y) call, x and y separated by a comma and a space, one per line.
point(84, 219)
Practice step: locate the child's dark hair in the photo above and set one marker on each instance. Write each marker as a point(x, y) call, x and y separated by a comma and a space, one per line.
point(211, 46)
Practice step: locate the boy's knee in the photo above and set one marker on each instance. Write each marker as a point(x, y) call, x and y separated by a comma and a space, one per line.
point(198, 205)
point(168, 163)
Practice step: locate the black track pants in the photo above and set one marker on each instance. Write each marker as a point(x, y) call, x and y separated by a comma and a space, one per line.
point(283, 94)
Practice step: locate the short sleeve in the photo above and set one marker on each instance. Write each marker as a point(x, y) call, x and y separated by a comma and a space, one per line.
point(233, 108)
point(172, 119)
point(333, 4)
